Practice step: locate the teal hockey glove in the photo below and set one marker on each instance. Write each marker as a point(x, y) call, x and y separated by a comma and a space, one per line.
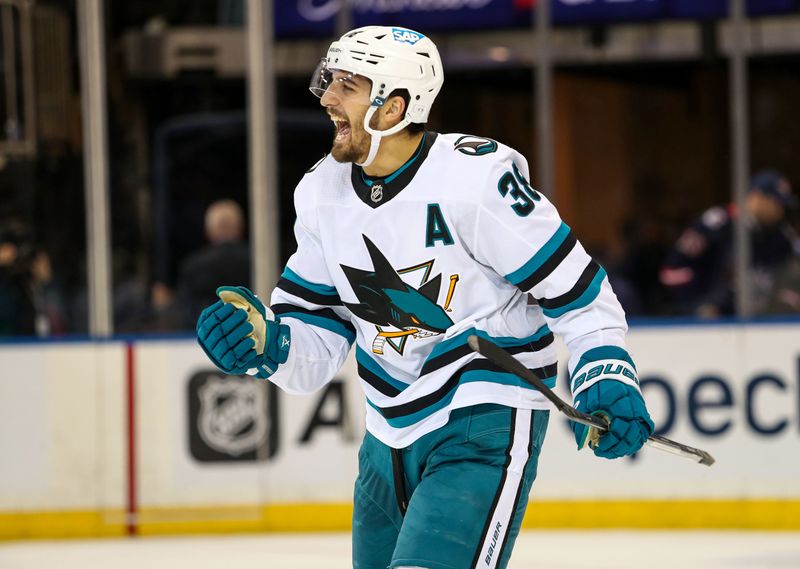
point(241, 335)
point(624, 409)
point(608, 387)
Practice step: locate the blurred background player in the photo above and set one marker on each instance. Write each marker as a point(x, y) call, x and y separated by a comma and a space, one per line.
point(452, 442)
point(699, 271)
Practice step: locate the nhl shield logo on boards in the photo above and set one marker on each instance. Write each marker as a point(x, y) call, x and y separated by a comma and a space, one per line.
point(376, 194)
point(229, 418)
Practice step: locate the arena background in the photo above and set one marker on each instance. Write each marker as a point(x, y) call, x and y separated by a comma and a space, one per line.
point(123, 121)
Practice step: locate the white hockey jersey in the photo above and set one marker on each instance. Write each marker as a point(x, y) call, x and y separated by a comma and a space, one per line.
point(456, 242)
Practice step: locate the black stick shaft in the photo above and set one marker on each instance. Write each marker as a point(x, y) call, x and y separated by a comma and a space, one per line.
point(499, 356)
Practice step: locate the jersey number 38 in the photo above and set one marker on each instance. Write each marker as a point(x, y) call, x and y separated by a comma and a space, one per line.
point(515, 185)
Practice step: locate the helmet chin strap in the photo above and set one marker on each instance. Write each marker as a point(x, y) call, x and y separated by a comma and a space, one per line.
point(377, 135)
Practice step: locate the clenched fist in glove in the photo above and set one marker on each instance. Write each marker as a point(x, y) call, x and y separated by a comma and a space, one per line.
point(241, 335)
point(609, 388)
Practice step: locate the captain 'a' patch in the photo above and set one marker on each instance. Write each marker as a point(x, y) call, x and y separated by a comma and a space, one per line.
point(397, 309)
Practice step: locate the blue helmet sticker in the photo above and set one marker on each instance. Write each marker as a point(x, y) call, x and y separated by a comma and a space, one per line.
point(406, 36)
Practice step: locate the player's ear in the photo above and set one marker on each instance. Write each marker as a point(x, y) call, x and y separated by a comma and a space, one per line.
point(394, 109)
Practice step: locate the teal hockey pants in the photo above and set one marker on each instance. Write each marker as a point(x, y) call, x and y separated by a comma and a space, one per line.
point(464, 489)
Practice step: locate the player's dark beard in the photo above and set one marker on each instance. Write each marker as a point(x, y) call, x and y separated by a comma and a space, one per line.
point(356, 148)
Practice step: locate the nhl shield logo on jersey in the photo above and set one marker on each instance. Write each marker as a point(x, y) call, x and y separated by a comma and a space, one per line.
point(376, 194)
point(475, 145)
point(398, 310)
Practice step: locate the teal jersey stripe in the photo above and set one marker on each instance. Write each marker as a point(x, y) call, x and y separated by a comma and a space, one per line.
point(584, 299)
point(393, 175)
point(541, 256)
point(502, 341)
point(468, 377)
point(605, 353)
point(323, 322)
point(410, 162)
point(289, 274)
point(365, 360)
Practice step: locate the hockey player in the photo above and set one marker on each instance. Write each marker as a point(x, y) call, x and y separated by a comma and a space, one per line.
point(409, 241)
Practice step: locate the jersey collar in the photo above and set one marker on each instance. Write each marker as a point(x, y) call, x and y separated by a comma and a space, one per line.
point(377, 191)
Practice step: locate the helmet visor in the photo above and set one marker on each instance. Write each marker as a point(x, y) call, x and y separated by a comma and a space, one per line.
point(325, 78)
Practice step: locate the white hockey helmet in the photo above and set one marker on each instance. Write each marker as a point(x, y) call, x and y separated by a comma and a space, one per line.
point(392, 58)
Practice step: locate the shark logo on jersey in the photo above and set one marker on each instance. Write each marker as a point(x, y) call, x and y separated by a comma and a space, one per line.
point(475, 145)
point(397, 309)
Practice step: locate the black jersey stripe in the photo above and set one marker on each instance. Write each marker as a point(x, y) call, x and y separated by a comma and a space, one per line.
point(308, 295)
point(376, 382)
point(459, 352)
point(551, 264)
point(436, 396)
point(326, 313)
point(445, 359)
point(536, 346)
point(575, 292)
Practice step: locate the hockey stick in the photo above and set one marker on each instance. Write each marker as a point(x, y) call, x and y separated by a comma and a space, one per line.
point(499, 356)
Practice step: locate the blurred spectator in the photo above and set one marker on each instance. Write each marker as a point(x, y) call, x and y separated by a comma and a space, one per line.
point(785, 298)
point(636, 268)
point(30, 304)
point(131, 309)
point(226, 259)
point(611, 258)
point(699, 271)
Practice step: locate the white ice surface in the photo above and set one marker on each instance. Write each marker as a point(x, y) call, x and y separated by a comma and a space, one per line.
point(535, 549)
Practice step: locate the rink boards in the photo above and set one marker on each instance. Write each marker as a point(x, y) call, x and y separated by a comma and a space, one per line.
point(108, 438)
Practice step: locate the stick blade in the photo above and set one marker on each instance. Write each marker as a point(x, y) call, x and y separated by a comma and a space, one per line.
point(707, 459)
point(509, 363)
point(698, 455)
